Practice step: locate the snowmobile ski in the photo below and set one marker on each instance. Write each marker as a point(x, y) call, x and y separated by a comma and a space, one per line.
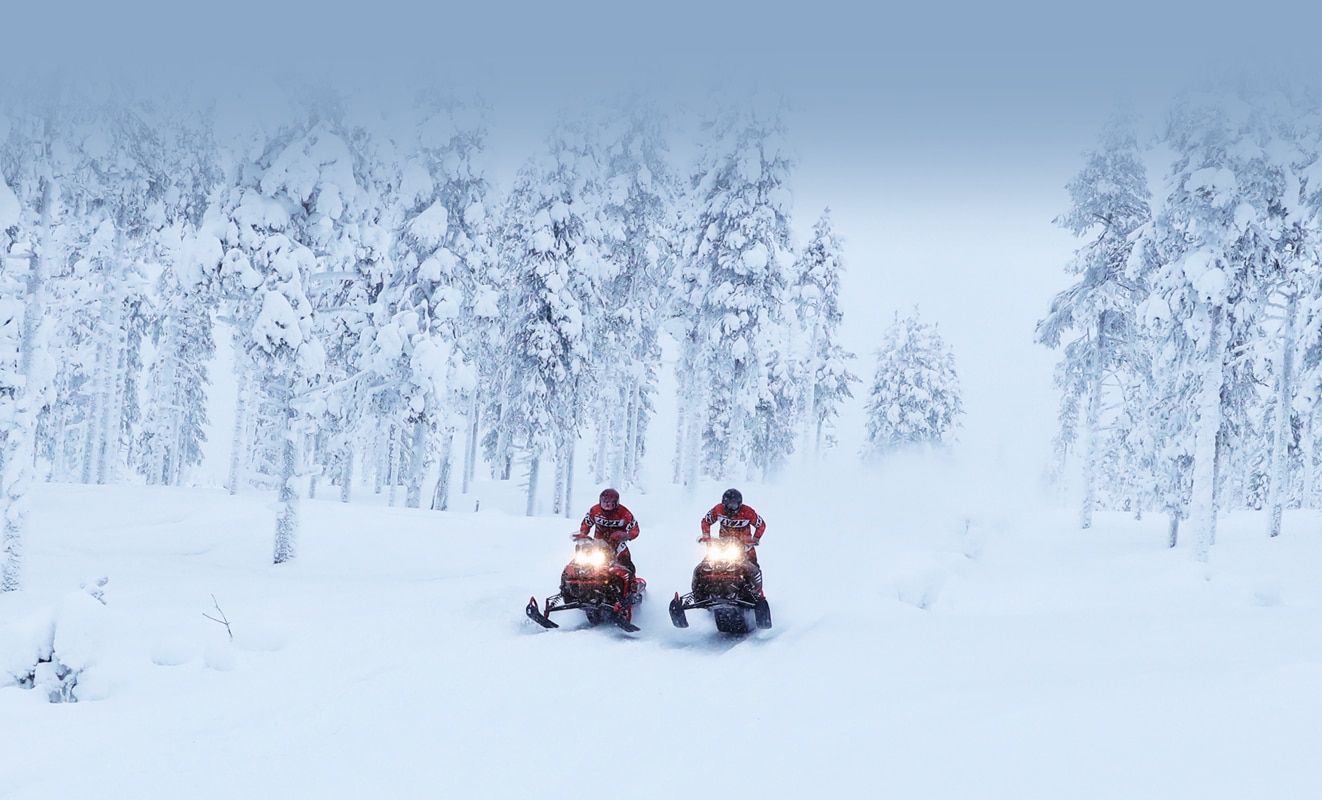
point(535, 614)
point(623, 623)
point(677, 617)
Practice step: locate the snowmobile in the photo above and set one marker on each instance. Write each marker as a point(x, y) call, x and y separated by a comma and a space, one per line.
point(595, 582)
point(729, 583)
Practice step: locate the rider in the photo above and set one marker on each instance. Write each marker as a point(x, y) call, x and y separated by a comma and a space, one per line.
point(614, 523)
point(737, 521)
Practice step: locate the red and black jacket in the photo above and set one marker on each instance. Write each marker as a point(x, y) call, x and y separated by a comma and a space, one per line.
point(745, 524)
point(617, 525)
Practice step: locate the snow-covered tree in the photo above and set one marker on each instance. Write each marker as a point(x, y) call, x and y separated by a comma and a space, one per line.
point(824, 374)
point(16, 428)
point(349, 172)
point(915, 398)
point(1309, 137)
point(175, 418)
point(447, 283)
point(29, 249)
point(639, 217)
point(259, 233)
point(1110, 201)
point(735, 264)
point(1216, 250)
point(115, 188)
point(551, 242)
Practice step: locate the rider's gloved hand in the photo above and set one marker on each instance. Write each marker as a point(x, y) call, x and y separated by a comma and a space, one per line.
point(581, 536)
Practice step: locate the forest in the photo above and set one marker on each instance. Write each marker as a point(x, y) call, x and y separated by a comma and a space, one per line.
point(397, 320)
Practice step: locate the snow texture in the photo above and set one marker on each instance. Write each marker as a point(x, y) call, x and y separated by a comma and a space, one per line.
point(973, 650)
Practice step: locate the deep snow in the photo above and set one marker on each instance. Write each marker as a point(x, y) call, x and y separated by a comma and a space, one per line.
point(934, 637)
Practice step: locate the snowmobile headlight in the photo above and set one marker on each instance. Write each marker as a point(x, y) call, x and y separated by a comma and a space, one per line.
point(722, 550)
point(590, 558)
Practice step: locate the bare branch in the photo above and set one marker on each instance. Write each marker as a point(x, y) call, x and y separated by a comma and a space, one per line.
point(223, 620)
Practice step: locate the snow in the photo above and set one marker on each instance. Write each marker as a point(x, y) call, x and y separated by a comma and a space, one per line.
point(1218, 183)
point(430, 226)
point(9, 207)
point(935, 636)
point(277, 324)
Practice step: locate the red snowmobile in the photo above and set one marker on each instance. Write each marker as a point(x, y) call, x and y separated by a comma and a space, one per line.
point(729, 583)
point(595, 582)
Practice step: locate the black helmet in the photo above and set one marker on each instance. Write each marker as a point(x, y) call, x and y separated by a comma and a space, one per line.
point(732, 501)
point(609, 496)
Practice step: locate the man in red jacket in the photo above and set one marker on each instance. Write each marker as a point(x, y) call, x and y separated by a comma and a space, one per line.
point(737, 521)
point(614, 523)
point(741, 523)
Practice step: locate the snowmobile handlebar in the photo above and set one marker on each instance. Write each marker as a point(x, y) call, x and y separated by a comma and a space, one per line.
point(748, 541)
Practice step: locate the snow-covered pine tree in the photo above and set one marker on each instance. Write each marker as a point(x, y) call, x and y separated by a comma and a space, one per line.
point(348, 174)
point(1110, 200)
point(117, 190)
point(639, 221)
point(256, 235)
point(1309, 136)
point(175, 415)
point(771, 439)
point(1291, 275)
point(551, 244)
point(39, 159)
point(1216, 246)
point(16, 425)
point(823, 374)
point(736, 258)
point(27, 249)
point(915, 400)
point(448, 273)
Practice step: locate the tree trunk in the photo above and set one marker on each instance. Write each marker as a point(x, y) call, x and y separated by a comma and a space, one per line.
point(569, 480)
point(605, 456)
point(1280, 469)
point(159, 464)
point(561, 478)
point(1202, 508)
point(92, 436)
point(677, 471)
point(532, 485)
point(1309, 465)
point(286, 523)
point(383, 445)
point(809, 400)
point(238, 443)
point(318, 447)
point(470, 446)
point(634, 422)
point(393, 463)
point(108, 451)
point(1090, 426)
point(440, 500)
point(417, 463)
point(346, 471)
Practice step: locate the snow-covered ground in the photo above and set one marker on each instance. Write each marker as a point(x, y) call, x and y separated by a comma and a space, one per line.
point(935, 637)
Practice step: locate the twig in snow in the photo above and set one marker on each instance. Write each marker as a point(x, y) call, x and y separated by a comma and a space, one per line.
point(222, 620)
